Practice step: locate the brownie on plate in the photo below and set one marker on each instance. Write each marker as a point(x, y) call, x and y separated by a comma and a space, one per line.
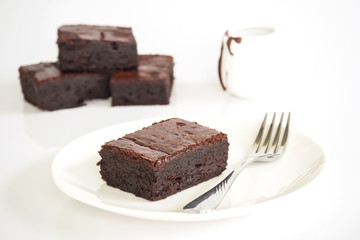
point(164, 158)
point(88, 48)
point(45, 86)
point(151, 83)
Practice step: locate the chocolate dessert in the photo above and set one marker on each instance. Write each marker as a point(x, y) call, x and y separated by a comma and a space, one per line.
point(45, 86)
point(88, 48)
point(151, 83)
point(164, 158)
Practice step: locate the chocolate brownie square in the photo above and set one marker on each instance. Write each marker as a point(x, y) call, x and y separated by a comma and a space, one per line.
point(88, 48)
point(45, 86)
point(151, 83)
point(164, 158)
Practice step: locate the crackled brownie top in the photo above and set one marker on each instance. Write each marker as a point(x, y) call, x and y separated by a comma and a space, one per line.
point(41, 71)
point(77, 33)
point(155, 63)
point(151, 68)
point(165, 139)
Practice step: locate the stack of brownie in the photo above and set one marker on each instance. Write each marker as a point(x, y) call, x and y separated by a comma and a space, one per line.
point(97, 62)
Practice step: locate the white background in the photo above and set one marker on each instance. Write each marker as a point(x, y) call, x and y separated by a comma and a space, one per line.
point(317, 70)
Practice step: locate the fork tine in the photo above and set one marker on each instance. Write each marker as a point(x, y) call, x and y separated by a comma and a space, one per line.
point(258, 138)
point(269, 134)
point(275, 143)
point(286, 134)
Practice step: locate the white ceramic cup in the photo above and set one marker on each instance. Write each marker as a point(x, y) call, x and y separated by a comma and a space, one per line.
point(246, 63)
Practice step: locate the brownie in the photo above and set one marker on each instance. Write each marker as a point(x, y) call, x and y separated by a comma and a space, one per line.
point(45, 86)
point(88, 48)
point(164, 158)
point(151, 83)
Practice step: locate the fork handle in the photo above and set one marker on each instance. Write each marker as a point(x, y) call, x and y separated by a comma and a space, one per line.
point(212, 198)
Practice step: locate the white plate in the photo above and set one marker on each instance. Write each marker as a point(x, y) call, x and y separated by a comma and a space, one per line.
point(75, 172)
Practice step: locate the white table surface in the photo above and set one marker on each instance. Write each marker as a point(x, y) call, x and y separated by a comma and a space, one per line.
point(318, 71)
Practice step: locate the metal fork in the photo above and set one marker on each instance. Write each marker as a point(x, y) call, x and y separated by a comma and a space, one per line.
point(268, 149)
